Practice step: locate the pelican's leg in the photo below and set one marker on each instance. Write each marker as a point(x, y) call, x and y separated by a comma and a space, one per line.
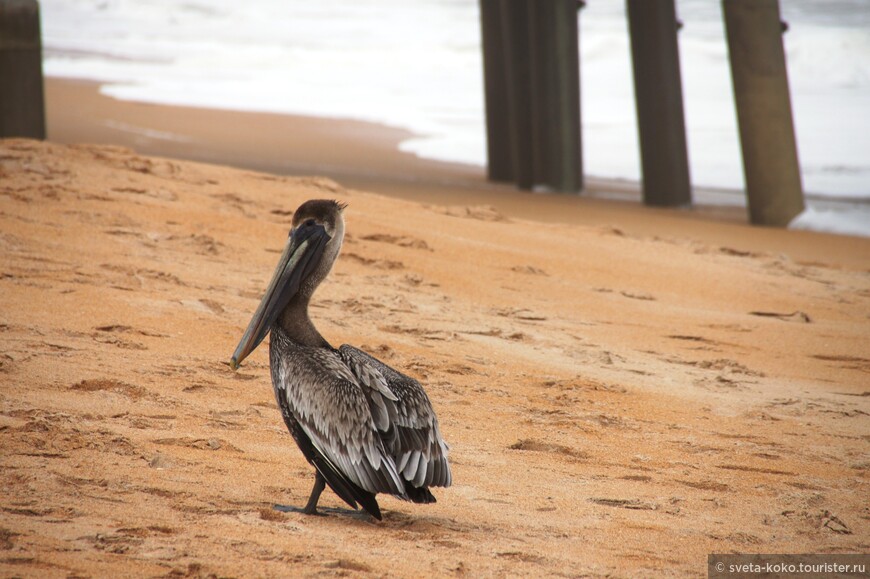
point(319, 485)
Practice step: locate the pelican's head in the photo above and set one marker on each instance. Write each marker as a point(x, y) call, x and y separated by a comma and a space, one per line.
point(312, 247)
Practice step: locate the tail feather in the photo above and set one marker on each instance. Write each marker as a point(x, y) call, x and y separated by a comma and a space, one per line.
point(419, 494)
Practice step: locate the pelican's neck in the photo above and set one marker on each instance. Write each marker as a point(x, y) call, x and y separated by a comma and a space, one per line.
point(294, 319)
point(297, 325)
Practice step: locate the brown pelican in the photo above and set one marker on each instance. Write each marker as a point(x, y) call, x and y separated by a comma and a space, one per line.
point(365, 427)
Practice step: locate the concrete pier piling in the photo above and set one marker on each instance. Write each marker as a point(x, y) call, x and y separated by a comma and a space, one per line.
point(22, 101)
point(761, 93)
point(659, 101)
point(532, 93)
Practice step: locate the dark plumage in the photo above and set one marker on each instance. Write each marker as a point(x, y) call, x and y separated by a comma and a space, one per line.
point(365, 427)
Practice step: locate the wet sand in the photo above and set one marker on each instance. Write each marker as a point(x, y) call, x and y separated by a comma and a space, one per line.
point(364, 156)
point(624, 390)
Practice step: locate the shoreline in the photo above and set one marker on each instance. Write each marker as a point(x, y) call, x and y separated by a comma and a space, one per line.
point(406, 166)
point(365, 156)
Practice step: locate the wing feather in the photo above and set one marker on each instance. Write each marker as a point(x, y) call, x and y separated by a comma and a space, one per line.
point(335, 413)
point(409, 428)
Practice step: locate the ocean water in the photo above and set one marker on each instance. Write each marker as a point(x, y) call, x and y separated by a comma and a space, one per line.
point(417, 65)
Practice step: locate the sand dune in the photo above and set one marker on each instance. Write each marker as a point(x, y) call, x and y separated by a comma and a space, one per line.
point(618, 404)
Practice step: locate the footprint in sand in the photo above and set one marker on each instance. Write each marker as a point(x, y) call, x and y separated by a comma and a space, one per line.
point(638, 296)
point(846, 362)
point(479, 212)
point(532, 445)
point(523, 314)
point(203, 305)
point(199, 443)
point(400, 240)
point(375, 263)
point(631, 504)
point(109, 385)
point(529, 270)
point(796, 316)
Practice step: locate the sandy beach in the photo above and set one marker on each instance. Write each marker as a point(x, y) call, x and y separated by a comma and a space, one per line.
point(624, 390)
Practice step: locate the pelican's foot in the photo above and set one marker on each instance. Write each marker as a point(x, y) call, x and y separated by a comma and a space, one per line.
point(300, 510)
point(321, 511)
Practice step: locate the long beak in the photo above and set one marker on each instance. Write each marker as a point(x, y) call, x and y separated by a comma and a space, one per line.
point(301, 256)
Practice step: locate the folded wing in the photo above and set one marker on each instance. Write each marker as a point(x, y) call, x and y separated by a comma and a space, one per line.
point(333, 411)
point(405, 421)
